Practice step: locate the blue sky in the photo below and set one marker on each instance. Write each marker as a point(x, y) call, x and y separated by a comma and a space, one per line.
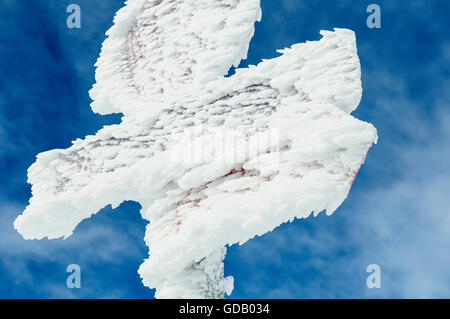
point(397, 214)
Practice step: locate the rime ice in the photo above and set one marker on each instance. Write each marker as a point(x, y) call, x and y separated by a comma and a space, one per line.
point(163, 67)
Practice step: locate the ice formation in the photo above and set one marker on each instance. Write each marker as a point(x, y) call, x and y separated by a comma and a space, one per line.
point(212, 160)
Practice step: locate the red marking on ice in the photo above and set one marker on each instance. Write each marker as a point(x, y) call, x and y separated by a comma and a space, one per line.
point(187, 201)
point(357, 171)
point(354, 175)
point(179, 218)
point(234, 171)
point(179, 222)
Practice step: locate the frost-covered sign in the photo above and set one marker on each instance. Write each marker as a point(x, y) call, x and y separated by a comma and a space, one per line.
point(163, 67)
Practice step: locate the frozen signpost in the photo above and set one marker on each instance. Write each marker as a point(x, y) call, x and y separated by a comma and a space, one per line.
point(294, 150)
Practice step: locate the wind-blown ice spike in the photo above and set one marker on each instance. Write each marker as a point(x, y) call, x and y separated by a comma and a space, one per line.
point(163, 66)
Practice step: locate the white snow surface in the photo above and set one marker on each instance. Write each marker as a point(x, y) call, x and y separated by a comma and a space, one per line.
point(213, 161)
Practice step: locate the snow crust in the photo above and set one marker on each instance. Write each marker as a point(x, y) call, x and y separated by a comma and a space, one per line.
point(213, 161)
